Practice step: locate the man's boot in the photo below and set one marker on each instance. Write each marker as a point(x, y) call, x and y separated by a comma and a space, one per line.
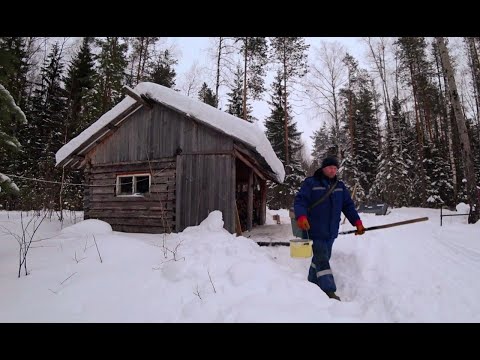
point(332, 295)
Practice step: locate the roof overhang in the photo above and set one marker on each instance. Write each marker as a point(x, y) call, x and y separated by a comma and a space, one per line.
point(253, 160)
point(75, 159)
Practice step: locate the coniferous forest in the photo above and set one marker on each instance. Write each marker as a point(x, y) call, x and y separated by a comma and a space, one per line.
point(404, 122)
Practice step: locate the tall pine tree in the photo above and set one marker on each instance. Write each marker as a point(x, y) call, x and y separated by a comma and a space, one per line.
point(416, 71)
point(254, 53)
point(291, 55)
point(140, 58)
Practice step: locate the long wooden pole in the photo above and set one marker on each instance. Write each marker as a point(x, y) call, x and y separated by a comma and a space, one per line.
point(386, 225)
point(277, 243)
point(353, 197)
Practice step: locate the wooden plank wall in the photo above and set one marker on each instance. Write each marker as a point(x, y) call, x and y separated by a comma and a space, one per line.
point(205, 183)
point(156, 134)
point(206, 165)
point(152, 213)
point(86, 192)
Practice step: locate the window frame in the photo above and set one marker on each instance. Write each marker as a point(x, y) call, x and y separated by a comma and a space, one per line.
point(134, 184)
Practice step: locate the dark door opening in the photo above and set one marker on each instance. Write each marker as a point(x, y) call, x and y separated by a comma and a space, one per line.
point(244, 177)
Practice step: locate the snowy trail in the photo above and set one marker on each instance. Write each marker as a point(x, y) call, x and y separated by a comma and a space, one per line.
point(400, 274)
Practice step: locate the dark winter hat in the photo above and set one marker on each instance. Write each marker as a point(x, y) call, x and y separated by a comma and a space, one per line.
point(329, 160)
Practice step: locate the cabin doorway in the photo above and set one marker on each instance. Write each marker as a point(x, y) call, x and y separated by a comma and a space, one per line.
point(250, 195)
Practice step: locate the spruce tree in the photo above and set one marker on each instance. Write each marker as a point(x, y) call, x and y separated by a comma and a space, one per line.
point(281, 196)
point(79, 82)
point(393, 181)
point(367, 131)
point(14, 67)
point(13, 98)
point(79, 85)
point(44, 134)
point(323, 145)
point(112, 65)
point(439, 182)
point(350, 174)
point(162, 71)
point(9, 111)
point(361, 124)
point(235, 98)
point(207, 96)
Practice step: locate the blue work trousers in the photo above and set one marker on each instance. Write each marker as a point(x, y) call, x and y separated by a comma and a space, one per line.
point(320, 272)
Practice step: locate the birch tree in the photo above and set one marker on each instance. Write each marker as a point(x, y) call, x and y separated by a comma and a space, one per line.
point(377, 52)
point(327, 74)
point(191, 81)
point(222, 52)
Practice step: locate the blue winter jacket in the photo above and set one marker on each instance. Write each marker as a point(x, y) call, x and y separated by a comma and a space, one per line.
point(324, 218)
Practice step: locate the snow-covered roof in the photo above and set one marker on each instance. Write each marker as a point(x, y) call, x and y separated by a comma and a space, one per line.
point(244, 131)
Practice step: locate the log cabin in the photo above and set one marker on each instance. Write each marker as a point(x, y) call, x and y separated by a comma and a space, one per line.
point(160, 161)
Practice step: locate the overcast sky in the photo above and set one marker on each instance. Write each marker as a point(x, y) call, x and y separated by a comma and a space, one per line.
point(191, 49)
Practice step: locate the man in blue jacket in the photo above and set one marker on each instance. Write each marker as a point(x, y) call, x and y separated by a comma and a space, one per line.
point(320, 223)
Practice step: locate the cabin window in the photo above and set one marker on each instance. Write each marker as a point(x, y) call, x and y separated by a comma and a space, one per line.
point(133, 184)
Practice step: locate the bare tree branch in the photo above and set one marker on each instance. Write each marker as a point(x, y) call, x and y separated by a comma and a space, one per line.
point(75, 258)
point(197, 293)
point(211, 282)
point(67, 278)
point(192, 80)
point(100, 256)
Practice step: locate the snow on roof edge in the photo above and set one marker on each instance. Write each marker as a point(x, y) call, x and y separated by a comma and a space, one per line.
point(227, 123)
point(77, 142)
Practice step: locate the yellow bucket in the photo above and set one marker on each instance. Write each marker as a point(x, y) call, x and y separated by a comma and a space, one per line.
point(301, 248)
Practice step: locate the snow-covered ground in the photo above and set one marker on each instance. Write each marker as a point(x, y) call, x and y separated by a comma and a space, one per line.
point(419, 272)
